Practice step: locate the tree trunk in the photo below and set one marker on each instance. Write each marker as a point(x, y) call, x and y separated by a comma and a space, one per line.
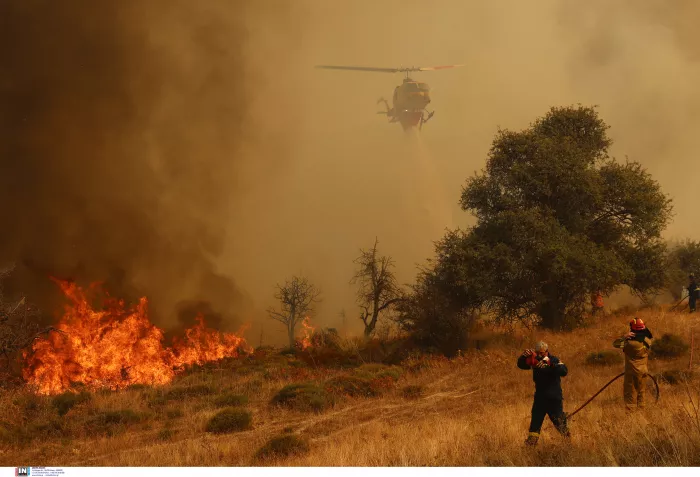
point(369, 327)
point(290, 330)
point(552, 314)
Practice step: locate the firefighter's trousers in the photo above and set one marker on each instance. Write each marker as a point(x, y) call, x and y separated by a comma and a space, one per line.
point(635, 383)
point(554, 408)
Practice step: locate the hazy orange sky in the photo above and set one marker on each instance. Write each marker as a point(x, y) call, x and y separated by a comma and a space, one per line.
point(353, 176)
point(196, 149)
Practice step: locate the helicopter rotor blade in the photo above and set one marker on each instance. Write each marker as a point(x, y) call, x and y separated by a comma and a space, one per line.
point(360, 68)
point(434, 68)
point(387, 70)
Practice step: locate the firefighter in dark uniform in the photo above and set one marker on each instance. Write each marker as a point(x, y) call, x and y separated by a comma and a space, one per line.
point(692, 292)
point(547, 372)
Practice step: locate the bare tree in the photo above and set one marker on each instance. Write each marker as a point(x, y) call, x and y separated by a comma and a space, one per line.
point(19, 326)
point(377, 287)
point(297, 297)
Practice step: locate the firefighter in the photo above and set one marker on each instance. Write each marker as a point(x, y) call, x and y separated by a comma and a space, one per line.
point(635, 345)
point(692, 292)
point(547, 371)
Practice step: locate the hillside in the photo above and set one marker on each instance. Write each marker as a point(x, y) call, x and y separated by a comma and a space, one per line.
point(470, 411)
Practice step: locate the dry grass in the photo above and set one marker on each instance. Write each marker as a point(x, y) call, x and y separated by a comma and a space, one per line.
point(471, 411)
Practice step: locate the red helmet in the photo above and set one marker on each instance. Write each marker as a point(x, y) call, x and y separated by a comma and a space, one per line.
point(637, 324)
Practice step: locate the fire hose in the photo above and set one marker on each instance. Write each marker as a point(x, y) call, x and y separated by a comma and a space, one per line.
point(570, 415)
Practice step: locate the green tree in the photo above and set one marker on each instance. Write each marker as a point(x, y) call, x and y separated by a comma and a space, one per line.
point(557, 219)
point(683, 259)
point(433, 318)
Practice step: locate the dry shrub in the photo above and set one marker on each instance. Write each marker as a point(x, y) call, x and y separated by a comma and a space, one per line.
point(166, 434)
point(230, 400)
point(352, 386)
point(379, 371)
point(66, 401)
point(303, 397)
point(282, 446)
point(412, 391)
point(604, 358)
point(230, 420)
point(669, 346)
point(111, 422)
point(174, 413)
point(196, 390)
point(677, 376)
point(417, 362)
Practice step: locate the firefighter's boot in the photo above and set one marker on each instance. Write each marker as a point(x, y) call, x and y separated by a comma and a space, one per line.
point(532, 439)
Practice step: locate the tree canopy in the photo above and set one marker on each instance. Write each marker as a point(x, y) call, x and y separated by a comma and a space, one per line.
point(557, 220)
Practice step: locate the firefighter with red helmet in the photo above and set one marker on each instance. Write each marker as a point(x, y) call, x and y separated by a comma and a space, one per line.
point(635, 345)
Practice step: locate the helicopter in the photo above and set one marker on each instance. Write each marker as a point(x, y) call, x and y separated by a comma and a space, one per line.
point(411, 98)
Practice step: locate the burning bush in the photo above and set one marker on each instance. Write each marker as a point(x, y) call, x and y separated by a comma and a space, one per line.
point(230, 420)
point(303, 397)
point(117, 347)
point(282, 446)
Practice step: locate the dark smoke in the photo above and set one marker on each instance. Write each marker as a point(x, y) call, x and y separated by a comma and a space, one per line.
point(119, 125)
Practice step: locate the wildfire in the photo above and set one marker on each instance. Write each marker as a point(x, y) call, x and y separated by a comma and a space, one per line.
point(117, 347)
point(308, 333)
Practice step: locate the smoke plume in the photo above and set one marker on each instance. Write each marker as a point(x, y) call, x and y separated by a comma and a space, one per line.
point(120, 138)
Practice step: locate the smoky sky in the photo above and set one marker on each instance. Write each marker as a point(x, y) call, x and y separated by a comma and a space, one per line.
point(119, 129)
point(190, 151)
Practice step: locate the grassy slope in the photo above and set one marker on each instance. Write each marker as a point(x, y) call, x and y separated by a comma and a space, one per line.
point(473, 411)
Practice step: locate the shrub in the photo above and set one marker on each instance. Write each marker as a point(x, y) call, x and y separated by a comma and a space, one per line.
point(166, 434)
point(413, 391)
point(379, 371)
point(351, 386)
point(669, 346)
point(303, 397)
point(110, 422)
point(65, 402)
point(604, 358)
point(677, 376)
point(283, 446)
point(230, 420)
point(230, 400)
point(196, 390)
point(174, 413)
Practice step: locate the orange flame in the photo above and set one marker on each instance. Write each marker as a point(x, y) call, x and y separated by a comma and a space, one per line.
point(115, 348)
point(308, 333)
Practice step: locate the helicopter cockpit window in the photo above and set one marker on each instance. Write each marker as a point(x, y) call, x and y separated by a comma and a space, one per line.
point(416, 87)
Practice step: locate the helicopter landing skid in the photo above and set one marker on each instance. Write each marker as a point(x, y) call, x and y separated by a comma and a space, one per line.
point(426, 119)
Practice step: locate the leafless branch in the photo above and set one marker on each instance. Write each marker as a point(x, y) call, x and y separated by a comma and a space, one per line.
point(297, 298)
point(377, 285)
